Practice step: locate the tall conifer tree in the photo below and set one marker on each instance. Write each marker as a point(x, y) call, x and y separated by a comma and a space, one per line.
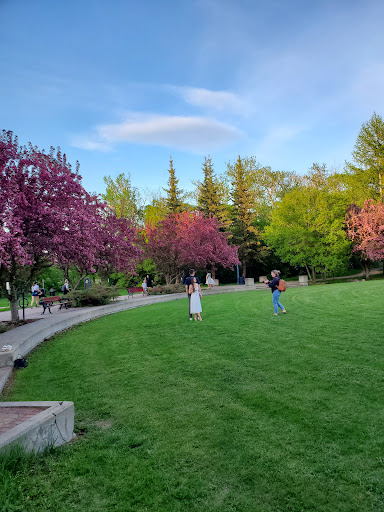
point(243, 218)
point(209, 198)
point(174, 202)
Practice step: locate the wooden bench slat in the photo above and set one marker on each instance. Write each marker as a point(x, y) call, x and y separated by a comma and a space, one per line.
point(48, 302)
point(134, 289)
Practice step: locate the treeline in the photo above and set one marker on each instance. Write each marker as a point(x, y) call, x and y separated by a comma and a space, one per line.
point(249, 215)
point(312, 222)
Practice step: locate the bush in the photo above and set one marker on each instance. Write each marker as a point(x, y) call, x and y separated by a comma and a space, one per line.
point(166, 289)
point(98, 295)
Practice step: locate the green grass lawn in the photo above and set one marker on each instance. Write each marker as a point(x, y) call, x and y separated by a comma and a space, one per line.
point(241, 412)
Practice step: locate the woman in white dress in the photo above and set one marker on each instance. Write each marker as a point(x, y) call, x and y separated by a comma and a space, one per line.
point(195, 292)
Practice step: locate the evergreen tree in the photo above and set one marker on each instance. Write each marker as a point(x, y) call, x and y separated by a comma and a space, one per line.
point(174, 201)
point(243, 218)
point(209, 198)
point(369, 158)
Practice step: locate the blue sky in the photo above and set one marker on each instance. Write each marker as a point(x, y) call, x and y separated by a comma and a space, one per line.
point(122, 85)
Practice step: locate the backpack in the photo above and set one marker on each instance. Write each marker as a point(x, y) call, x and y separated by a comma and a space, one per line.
point(63, 288)
point(21, 362)
point(282, 286)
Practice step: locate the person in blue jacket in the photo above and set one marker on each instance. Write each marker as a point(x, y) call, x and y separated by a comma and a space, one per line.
point(275, 292)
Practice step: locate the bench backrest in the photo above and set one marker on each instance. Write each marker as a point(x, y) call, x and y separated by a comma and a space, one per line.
point(135, 289)
point(51, 299)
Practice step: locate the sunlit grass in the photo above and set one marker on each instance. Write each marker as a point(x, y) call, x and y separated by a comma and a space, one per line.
point(242, 412)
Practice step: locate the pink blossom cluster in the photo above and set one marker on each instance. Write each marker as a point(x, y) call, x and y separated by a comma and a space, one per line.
point(188, 239)
point(366, 230)
point(46, 215)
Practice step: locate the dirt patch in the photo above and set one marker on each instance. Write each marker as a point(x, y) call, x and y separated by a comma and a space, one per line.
point(104, 424)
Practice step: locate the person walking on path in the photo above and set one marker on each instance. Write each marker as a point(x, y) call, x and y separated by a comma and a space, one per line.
point(144, 287)
point(35, 294)
point(209, 281)
point(148, 281)
point(187, 283)
point(65, 287)
point(275, 292)
point(195, 304)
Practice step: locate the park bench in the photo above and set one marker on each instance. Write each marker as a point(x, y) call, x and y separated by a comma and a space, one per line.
point(49, 302)
point(135, 289)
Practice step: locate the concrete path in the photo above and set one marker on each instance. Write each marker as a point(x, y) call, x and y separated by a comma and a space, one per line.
point(138, 299)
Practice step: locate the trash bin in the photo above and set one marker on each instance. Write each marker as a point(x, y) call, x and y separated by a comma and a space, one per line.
point(241, 280)
point(52, 292)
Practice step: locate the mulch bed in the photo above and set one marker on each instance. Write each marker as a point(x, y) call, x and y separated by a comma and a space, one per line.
point(7, 326)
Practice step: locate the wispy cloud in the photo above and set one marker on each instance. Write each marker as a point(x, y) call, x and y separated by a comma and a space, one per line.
point(215, 100)
point(279, 135)
point(197, 134)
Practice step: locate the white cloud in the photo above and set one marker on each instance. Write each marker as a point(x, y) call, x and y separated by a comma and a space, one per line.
point(90, 144)
point(198, 134)
point(217, 100)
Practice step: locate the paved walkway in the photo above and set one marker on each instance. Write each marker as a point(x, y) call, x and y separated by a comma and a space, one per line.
point(137, 300)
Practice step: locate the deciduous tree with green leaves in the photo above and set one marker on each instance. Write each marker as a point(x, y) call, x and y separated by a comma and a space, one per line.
point(122, 197)
point(307, 230)
point(269, 187)
point(365, 175)
point(156, 211)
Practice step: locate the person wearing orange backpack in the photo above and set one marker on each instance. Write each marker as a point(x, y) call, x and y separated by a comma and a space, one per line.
point(274, 284)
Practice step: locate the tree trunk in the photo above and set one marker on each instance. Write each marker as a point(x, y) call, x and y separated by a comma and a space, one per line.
point(381, 187)
point(244, 270)
point(311, 273)
point(366, 268)
point(13, 303)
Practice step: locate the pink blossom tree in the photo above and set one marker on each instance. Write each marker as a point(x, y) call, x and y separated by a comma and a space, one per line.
point(111, 243)
point(366, 230)
point(188, 239)
point(46, 217)
point(119, 246)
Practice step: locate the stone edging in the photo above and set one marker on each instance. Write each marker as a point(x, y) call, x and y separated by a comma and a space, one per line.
point(53, 426)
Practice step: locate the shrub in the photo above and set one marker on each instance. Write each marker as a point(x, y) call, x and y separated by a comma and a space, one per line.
point(98, 295)
point(166, 289)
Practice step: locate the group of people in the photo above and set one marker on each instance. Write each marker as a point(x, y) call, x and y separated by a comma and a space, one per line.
point(193, 290)
point(38, 292)
point(147, 283)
